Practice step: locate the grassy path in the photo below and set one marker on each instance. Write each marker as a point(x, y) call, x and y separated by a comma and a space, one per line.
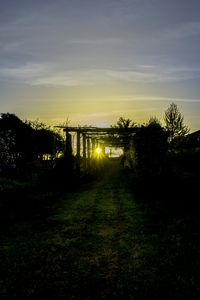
point(99, 243)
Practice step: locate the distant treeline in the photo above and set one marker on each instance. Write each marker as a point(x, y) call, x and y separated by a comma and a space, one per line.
point(30, 146)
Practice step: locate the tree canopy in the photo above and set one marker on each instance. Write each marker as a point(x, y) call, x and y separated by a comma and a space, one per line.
point(174, 122)
point(25, 142)
point(125, 123)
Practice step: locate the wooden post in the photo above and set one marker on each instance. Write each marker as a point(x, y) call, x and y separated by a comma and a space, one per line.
point(68, 144)
point(78, 152)
point(88, 151)
point(88, 148)
point(93, 146)
point(84, 149)
point(103, 148)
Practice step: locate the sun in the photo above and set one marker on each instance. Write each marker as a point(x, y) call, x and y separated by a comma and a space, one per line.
point(98, 150)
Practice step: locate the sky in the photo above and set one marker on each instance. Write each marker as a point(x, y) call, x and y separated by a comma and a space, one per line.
point(89, 62)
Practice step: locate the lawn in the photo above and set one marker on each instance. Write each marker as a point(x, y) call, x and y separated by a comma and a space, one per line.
point(112, 238)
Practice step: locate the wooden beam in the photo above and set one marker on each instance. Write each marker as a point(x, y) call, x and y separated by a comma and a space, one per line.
point(99, 129)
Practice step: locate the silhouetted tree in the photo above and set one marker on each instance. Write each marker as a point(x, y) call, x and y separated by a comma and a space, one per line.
point(46, 140)
point(124, 137)
point(30, 141)
point(21, 133)
point(174, 123)
point(150, 145)
point(125, 123)
point(7, 155)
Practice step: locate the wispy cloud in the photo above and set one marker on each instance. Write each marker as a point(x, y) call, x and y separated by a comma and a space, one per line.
point(49, 75)
point(159, 98)
point(143, 74)
point(156, 73)
point(73, 78)
point(25, 73)
point(182, 30)
point(95, 41)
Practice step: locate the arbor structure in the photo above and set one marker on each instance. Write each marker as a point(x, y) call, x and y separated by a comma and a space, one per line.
point(174, 123)
point(88, 140)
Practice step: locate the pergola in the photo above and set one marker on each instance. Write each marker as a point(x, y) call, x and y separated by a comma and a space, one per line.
point(89, 138)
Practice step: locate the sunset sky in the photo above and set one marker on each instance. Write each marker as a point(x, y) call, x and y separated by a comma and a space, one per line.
point(92, 61)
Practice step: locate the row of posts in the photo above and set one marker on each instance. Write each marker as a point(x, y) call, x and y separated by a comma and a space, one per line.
point(89, 144)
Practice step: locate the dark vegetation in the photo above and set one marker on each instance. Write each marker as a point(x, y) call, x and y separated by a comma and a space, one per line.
point(148, 215)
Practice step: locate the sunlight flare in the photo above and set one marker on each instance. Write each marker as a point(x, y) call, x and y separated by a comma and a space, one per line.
point(98, 150)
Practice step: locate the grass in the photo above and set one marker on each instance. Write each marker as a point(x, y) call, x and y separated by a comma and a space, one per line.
point(113, 238)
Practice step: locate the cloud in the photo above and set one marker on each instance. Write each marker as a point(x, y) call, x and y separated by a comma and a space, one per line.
point(47, 74)
point(182, 30)
point(23, 73)
point(144, 98)
point(138, 74)
point(73, 78)
point(95, 41)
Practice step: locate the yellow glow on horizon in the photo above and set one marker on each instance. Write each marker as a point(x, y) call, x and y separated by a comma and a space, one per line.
point(95, 105)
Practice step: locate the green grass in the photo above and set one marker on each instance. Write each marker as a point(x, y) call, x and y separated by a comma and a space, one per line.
point(111, 239)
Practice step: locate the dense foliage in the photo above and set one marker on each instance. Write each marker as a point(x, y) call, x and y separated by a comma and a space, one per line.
point(150, 144)
point(22, 145)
